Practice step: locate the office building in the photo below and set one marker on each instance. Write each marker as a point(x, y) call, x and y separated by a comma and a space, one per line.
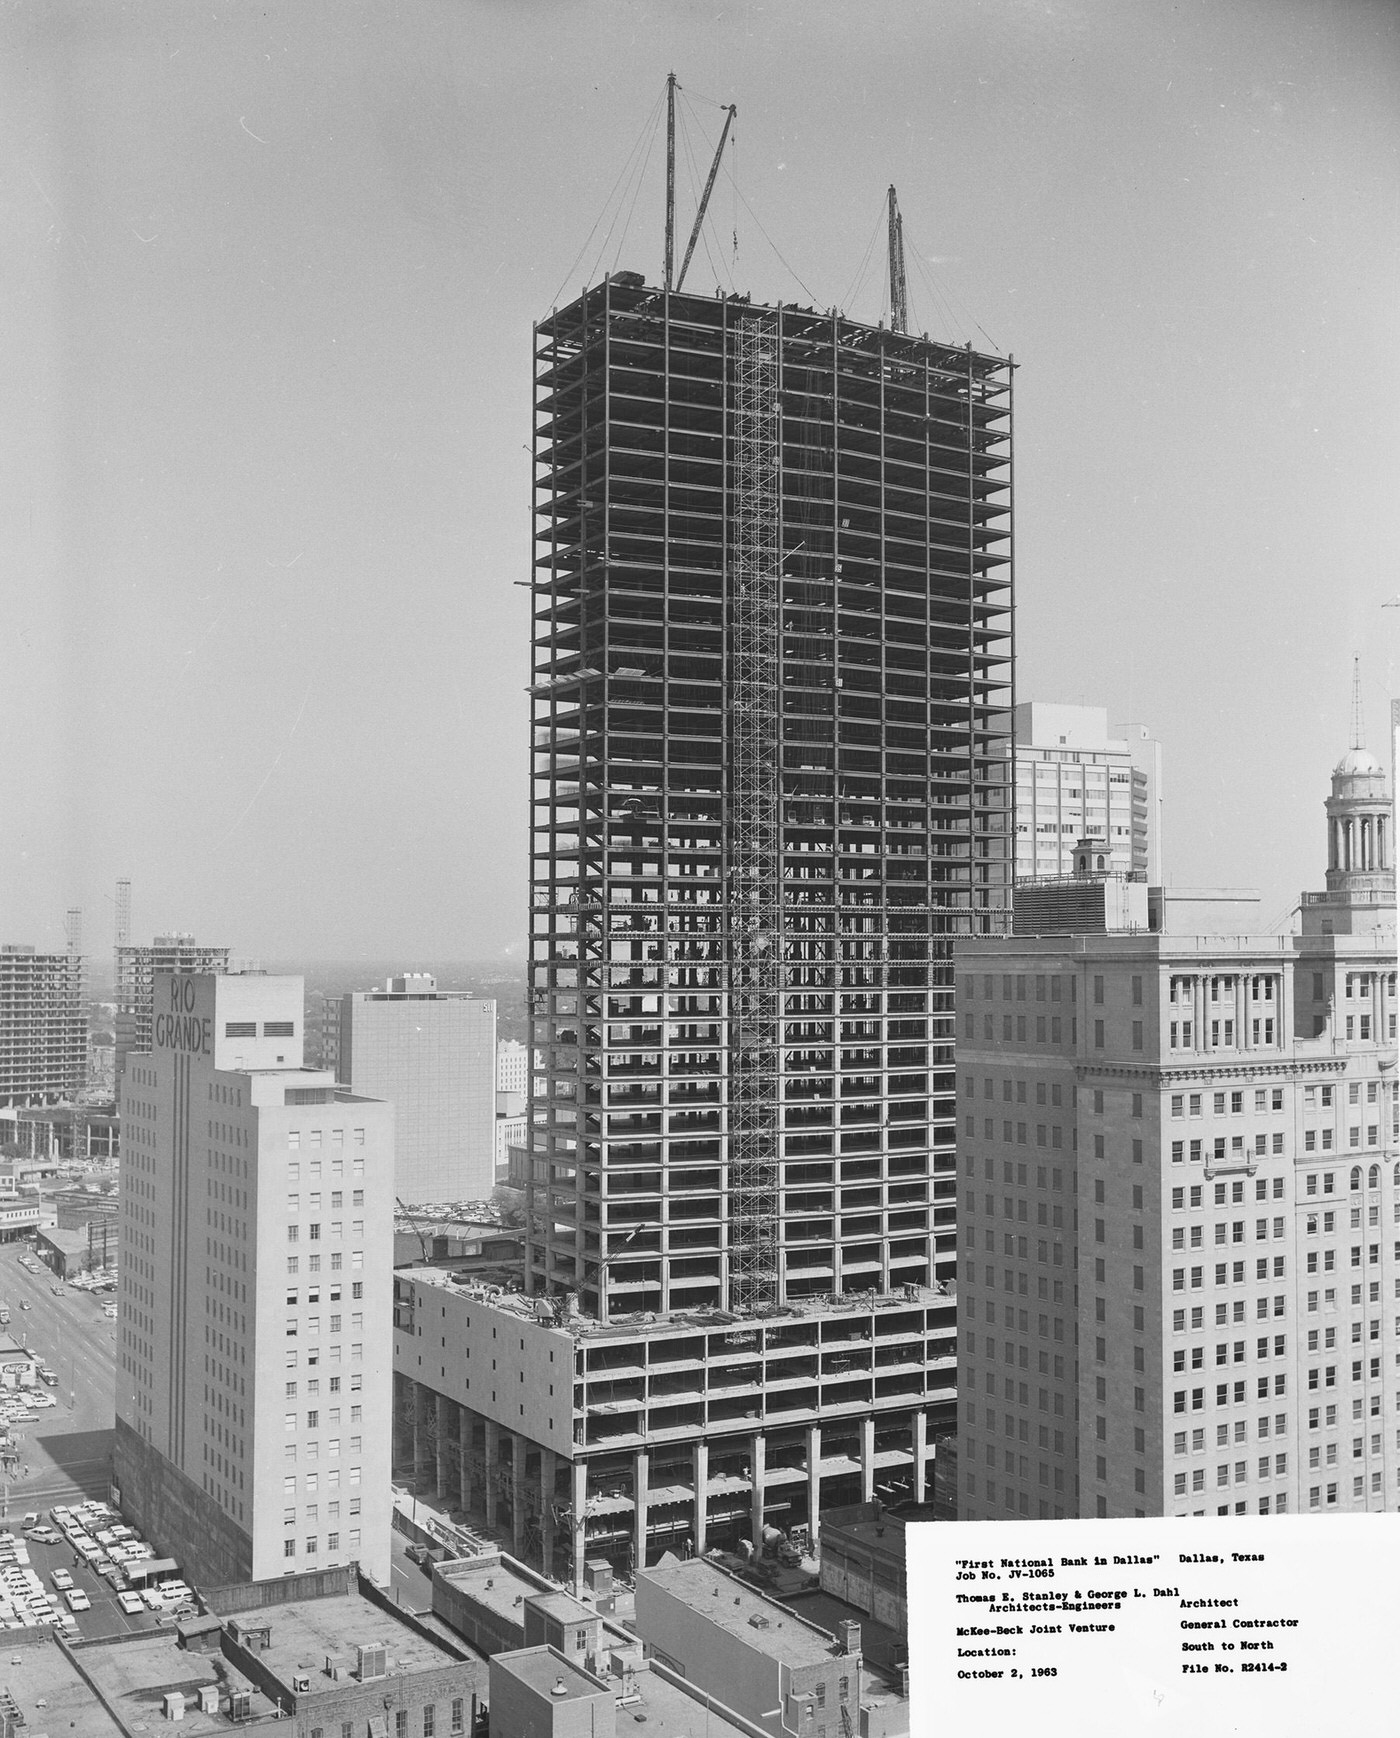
point(1074, 779)
point(432, 1054)
point(43, 1026)
point(513, 1067)
point(252, 1435)
point(771, 783)
point(136, 970)
point(1178, 1157)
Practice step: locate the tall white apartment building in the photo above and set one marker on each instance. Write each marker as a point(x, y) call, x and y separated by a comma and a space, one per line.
point(253, 1383)
point(1074, 780)
point(1179, 1215)
point(432, 1053)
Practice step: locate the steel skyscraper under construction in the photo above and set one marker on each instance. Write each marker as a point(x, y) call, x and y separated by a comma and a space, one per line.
point(771, 691)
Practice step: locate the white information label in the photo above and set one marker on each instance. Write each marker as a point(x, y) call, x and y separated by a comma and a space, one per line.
point(1274, 1625)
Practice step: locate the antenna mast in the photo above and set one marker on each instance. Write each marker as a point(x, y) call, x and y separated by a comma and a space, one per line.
point(1358, 727)
point(899, 287)
point(670, 177)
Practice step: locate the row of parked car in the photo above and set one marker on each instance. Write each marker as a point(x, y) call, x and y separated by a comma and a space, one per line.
point(24, 1600)
point(96, 1533)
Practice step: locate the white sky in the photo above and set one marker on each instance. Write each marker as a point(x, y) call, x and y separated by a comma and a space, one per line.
point(265, 331)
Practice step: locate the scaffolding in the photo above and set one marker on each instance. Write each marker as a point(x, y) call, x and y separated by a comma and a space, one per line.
point(752, 832)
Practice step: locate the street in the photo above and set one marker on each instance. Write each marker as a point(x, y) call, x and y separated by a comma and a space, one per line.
point(68, 1449)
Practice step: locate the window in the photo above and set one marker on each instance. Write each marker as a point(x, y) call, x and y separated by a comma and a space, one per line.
point(429, 1720)
point(289, 1547)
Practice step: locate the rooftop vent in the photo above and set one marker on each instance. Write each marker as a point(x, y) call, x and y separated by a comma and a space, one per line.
point(560, 1688)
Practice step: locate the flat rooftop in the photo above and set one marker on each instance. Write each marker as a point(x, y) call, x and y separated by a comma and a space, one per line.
point(674, 1707)
point(882, 1537)
point(500, 1590)
point(305, 1631)
point(542, 1668)
point(136, 1675)
point(40, 1671)
point(732, 1605)
point(563, 1606)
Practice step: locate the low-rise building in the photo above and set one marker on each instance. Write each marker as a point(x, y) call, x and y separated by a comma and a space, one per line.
point(42, 1689)
point(863, 1562)
point(498, 1606)
point(342, 1652)
point(772, 1667)
point(325, 1652)
point(20, 1214)
point(70, 1252)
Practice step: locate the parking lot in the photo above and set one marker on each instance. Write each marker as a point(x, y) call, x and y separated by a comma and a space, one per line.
point(49, 1577)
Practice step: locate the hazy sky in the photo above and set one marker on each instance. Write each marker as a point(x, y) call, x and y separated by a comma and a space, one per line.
point(265, 328)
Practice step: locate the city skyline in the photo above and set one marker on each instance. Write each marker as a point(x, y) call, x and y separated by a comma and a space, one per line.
point(274, 293)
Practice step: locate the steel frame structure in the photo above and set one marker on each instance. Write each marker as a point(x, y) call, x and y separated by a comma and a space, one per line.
point(771, 697)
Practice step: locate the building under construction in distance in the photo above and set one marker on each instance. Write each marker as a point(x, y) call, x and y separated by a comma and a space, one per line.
point(772, 709)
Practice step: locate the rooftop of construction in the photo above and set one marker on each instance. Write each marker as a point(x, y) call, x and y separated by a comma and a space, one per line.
point(542, 1312)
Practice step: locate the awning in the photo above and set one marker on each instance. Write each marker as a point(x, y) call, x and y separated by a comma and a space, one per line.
point(149, 1568)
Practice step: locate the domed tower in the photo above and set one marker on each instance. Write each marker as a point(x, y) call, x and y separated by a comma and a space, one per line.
point(1360, 851)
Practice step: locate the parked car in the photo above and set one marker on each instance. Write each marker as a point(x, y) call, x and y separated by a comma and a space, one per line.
point(77, 1599)
point(49, 1376)
point(131, 1603)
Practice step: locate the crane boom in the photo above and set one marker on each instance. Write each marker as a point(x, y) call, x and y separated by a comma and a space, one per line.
point(899, 287)
point(705, 196)
point(417, 1228)
point(670, 178)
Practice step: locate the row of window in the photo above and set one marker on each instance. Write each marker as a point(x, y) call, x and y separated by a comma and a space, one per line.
point(249, 1029)
point(1258, 987)
point(314, 1138)
point(1265, 1098)
point(1277, 1423)
point(429, 1720)
point(1227, 1273)
point(1223, 1312)
point(313, 1169)
point(1275, 1467)
point(1016, 984)
point(1232, 1352)
point(1235, 1192)
point(1230, 1394)
point(1222, 1034)
point(310, 1547)
point(1233, 1232)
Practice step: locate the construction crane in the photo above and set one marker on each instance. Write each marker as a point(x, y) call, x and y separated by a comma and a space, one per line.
point(417, 1228)
point(899, 285)
point(730, 113)
point(670, 256)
